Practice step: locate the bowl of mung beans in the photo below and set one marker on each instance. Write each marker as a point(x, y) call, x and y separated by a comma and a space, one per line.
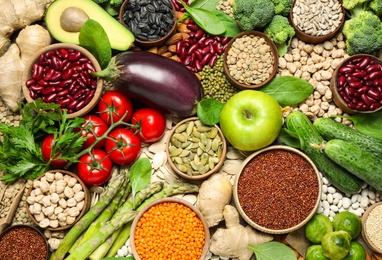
point(316, 21)
point(250, 60)
point(277, 189)
point(371, 227)
point(169, 228)
point(25, 242)
point(194, 150)
point(152, 22)
point(357, 84)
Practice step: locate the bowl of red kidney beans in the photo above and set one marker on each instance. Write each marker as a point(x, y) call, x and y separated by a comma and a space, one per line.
point(60, 74)
point(357, 84)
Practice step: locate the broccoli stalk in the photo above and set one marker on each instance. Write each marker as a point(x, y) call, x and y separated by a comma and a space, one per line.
point(280, 32)
point(253, 14)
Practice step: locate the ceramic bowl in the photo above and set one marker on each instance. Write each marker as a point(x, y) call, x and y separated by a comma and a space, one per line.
point(308, 38)
point(375, 228)
point(274, 183)
point(175, 201)
point(186, 146)
point(338, 97)
point(23, 237)
point(63, 194)
point(240, 84)
point(154, 43)
point(56, 47)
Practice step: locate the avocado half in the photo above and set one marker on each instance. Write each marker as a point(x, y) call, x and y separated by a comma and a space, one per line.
point(119, 36)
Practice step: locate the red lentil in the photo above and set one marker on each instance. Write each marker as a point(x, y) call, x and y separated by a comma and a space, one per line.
point(23, 243)
point(169, 230)
point(278, 189)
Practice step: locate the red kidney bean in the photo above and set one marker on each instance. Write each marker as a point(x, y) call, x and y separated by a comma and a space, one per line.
point(73, 104)
point(36, 88)
point(199, 34)
point(359, 74)
point(371, 68)
point(36, 71)
point(365, 98)
point(375, 74)
point(48, 90)
point(192, 27)
point(362, 89)
point(355, 84)
point(193, 48)
point(341, 81)
point(74, 56)
point(374, 94)
point(206, 59)
point(198, 66)
point(212, 61)
point(374, 106)
point(64, 102)
point(80, 105)
point(43, 83)
point(346, 69)
point(49, 98)
point(67, 73)
point(363, 63)
point(63, 93)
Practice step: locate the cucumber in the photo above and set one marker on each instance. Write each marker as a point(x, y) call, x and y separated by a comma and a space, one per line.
point(362, 164)
point(311, 143)
point(329, 129)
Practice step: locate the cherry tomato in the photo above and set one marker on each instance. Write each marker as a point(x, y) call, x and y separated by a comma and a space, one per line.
point(151, 124)
point(92, 128)
point(46, 149)
point(114, 105)
point(94, 168)
point(123, 146)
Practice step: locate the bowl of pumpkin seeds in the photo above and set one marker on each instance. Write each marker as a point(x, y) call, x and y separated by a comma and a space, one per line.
point(195, 150)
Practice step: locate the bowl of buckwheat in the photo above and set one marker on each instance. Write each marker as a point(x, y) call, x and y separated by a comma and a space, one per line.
point(250, 60)
point(316, 21)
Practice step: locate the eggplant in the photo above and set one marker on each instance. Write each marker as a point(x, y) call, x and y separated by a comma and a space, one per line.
point(156, 81)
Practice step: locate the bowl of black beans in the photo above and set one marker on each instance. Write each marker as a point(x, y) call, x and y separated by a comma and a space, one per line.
point(151, 21)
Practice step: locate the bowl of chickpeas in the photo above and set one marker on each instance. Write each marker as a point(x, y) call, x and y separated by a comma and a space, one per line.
point(169, 228)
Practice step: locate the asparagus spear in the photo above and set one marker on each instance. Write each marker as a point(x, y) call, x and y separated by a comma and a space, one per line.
point(88, 218)
point(167, 191)
point(123, 215)
point(106, 214)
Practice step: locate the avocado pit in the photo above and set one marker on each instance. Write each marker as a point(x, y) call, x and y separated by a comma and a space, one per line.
point(72, 19)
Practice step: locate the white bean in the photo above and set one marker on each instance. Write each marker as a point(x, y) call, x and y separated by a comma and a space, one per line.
point(346, 202)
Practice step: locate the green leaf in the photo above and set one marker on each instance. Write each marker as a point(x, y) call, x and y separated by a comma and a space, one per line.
point(231, 26)
point(205, 19)
point(209, 5)
point(273, 251)
point(140, 175)
point(289, 138)
point(208, 111)
point(368, 124)
point(288, 90)
point(94, 38)
point(119, 258)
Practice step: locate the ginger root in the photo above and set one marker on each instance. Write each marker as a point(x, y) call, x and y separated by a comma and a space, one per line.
point(214, 194)
point(16, 15)
point(16, 59)
point(233, 241)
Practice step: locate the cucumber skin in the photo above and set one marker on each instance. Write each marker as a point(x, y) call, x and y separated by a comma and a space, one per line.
point(330, 129)
point(308, 135)
point(362, 164)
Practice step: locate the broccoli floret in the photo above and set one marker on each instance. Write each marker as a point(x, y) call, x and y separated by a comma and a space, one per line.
point(253, 14)
point(363, 34)
point(354, 7)
point(282, 7)
point(100, 1)
point(280, 32)
point(376, 6)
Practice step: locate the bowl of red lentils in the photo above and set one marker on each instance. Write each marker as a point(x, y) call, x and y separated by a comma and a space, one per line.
point(371, 227)
point(59, 73)
point(316, 21)
point(23, 242)
point(277, 190)
point(169, 228)
point(357, 84)
point(250, 60)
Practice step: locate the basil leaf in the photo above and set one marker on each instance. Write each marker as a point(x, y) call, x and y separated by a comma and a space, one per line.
point(231, 26)
point(368, 124)
point(273, 251)
point(208, 111)
point(205, 19)
point(205, 4)
point(94, 38)
point(288, 90)
point(140, 175)
point(289, 138)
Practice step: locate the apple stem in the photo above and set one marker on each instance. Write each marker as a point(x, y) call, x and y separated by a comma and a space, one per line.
point(247, 114)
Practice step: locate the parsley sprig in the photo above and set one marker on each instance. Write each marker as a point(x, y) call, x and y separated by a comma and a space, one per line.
point(20, 146)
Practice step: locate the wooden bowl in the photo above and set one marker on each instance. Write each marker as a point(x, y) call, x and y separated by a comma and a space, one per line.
point(97, 95)
point(274, 207)
point(153, 43)
point(337, 98)
point(308, 38)
point(365, 234)
point(24, 244)
point(170, 200)
point(174, 166)
point(83, 211)
point(241, 85)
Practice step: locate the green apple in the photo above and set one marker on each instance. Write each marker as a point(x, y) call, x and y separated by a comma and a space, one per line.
point(251, 120)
